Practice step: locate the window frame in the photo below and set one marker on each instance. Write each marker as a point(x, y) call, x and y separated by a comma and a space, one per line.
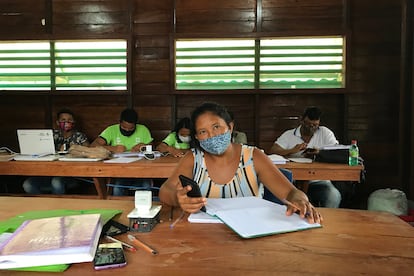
point(52, 87)
point(257, 89)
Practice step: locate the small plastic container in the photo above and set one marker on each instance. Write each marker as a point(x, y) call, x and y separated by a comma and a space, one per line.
point(409, 217)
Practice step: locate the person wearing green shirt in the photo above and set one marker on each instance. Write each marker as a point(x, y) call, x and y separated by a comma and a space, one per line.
point(128, 135)
point(177, 143)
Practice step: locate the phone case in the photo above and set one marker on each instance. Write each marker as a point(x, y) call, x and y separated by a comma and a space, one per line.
point(112, 228)
point(195, 189)
point(109, 255)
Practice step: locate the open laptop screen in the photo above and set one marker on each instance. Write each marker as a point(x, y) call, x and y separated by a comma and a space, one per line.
point(36, 141)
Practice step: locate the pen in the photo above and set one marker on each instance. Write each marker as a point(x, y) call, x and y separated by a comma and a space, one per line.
point(139, 243)
point(177, 220)
point(127, 246)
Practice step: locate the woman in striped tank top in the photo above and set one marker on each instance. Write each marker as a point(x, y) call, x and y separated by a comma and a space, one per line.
point(223, 169)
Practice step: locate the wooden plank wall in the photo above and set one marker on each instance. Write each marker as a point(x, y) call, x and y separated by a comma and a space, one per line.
point(367, 109)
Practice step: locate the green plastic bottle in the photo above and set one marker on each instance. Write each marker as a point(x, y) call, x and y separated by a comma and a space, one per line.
point(353, 154)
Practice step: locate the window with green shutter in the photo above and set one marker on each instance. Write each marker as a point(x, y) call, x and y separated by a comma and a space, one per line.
point(64, 65)
point(214, 64)
point(25, 66)
point(277, 63)
point(301, 63)
point(97, 65)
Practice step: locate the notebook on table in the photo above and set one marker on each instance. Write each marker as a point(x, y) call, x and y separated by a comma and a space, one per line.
point(78, 159)
point(36, 145)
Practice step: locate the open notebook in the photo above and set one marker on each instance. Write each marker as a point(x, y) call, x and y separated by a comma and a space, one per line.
point(36, 145)
point(252, 217)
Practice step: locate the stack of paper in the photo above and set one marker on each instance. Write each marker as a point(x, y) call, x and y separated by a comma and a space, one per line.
point(135, 154)
point(277, 159)
point(300, 159)
point(123, 160)
point(252, 217)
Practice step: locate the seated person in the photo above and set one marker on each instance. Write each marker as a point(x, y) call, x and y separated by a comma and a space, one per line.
point(224, 169)
point(128, 135)
point(65, 136)
point(237, 137)
point(310, 135)
point(178, 141)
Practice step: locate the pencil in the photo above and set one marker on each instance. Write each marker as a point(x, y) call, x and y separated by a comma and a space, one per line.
point(171, 213)
point(287, 202)
point(177, 220)
point(127, 246)
point(139, 243)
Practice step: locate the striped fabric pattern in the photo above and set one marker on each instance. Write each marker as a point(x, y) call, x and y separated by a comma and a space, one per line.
point(244, 183)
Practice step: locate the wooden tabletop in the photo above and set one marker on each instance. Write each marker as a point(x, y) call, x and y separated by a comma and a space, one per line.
point(350, 242)
point(162, 168)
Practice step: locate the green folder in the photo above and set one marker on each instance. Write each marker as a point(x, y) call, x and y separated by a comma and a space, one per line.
point(12, 224)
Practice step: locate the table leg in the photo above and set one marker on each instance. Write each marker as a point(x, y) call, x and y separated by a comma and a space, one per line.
point(302, 185)
point(100, 185)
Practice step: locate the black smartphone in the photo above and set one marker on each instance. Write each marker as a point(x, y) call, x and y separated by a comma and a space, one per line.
point(109, 255)
point(195, 189)
point(113, 228)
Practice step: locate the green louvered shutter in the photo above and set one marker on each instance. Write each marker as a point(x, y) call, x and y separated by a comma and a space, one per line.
point(25, 66)
point(301, 63)
point(90, 65)
point(214, 64)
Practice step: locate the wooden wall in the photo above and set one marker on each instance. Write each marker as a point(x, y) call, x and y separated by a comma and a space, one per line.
point(367, 109)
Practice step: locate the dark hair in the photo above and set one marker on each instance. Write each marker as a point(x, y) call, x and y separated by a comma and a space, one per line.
point(183, 123)
point(212, 107)
point(65, 110)
point(312, 112)
point(129, 115)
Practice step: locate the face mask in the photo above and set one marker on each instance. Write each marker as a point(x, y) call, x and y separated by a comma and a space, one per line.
point(126, 132)
point(217, 144)
point(65, 126)
point(185, 139)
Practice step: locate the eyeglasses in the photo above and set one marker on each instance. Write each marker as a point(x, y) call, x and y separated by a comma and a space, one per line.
point(68, 121)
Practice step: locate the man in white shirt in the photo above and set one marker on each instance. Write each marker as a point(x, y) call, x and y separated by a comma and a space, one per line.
point(306, 140)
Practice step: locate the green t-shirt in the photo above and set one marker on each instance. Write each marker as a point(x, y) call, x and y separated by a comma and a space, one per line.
point(171, 140)
point(114, 137)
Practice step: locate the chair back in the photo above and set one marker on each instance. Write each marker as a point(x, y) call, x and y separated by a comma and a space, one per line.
point(268, 194)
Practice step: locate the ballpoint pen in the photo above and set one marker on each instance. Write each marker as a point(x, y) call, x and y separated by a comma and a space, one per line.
point(139, 243)
point(127, 246)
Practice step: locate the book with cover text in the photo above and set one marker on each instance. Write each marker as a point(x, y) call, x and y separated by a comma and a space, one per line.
point(51, 241)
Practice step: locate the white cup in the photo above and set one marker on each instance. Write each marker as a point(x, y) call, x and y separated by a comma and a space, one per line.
point(146, 148)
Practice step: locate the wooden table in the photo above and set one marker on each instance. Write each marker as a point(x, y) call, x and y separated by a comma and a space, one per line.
point(158, 168)
point(351, 242)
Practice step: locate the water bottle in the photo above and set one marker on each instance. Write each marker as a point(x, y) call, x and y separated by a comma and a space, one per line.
point(353, 154)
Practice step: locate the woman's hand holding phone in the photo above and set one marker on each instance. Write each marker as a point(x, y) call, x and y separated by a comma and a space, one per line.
point(193, 193)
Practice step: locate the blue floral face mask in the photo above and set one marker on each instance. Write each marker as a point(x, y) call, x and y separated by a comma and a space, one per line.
point(217, 144)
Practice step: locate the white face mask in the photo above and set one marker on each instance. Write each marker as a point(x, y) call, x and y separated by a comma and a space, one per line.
point(185, 139)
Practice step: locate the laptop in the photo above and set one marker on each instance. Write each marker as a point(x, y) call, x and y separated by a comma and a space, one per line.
point(36, 145)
